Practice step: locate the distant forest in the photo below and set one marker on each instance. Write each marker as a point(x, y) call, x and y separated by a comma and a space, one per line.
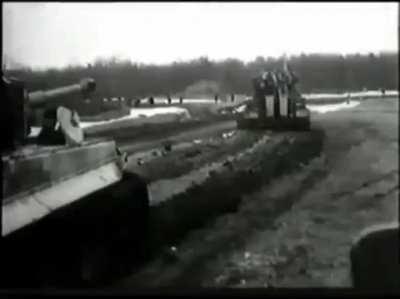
point(317, 73)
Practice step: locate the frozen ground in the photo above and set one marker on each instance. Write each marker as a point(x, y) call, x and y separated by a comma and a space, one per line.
point(164, 114)
point(352, 184)
point(149, 111)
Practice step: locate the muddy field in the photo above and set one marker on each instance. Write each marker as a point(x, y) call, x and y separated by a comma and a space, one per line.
point(262, 209)
point(236, 208)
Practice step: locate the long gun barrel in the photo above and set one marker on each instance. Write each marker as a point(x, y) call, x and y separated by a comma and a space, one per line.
point(40, 97)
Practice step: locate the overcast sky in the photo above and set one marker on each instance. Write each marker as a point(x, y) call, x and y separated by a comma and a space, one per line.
point(57, 34)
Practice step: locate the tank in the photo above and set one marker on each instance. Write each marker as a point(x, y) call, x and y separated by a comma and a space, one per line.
point(276, 104)
point(72, 214)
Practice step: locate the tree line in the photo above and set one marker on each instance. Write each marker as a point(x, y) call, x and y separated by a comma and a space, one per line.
point(317, 73)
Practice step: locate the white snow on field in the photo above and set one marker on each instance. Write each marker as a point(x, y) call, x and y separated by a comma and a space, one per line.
point(332, 107)
point(176, 100)
point(139, 112)
point(374, 93)
point(324, 96)
point(368, 93)
point(311, 96)
point(392, 92)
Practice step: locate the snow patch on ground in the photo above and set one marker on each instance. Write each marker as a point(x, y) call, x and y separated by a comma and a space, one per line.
point(310, 96)
point(134, 113)
point(368, 93)
point(148, 112)
point(140, 112)
point(332, 107)
point(35, 131)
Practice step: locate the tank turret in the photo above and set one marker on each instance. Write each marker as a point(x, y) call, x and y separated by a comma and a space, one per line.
point(277, 102)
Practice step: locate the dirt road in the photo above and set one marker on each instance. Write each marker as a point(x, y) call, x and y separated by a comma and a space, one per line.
point(296, 230)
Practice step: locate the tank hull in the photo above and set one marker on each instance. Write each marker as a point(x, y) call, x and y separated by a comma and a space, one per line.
point(39, 180)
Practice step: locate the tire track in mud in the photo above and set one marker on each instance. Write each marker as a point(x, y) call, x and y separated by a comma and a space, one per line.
point(160, 191)
point(255, 218)
point(368, 183)
point(157, 165)
point(223, 193)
